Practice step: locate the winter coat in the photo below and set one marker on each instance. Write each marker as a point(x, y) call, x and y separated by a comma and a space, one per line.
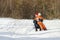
point(35, 24)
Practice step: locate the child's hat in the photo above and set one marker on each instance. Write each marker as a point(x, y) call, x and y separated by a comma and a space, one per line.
point(39, 14)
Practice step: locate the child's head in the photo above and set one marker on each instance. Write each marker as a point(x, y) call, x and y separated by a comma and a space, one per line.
point(39, 14)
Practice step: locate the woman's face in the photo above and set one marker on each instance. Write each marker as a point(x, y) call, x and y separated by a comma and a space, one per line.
point(36, 15)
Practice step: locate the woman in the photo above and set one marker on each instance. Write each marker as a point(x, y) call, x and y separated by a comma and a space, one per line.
point(35, 23)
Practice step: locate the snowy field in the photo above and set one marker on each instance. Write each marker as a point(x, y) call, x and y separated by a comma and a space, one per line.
point(23, 29)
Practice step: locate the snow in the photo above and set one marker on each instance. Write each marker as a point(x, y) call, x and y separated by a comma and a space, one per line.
point(23, 29)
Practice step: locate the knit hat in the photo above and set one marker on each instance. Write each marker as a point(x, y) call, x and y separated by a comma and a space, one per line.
point(36, 13)
point(39, 14)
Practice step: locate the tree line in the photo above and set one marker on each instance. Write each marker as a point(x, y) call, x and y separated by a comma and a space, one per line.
point(25, 9)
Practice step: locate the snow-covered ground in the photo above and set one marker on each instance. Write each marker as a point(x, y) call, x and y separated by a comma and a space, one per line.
point(23, 29)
